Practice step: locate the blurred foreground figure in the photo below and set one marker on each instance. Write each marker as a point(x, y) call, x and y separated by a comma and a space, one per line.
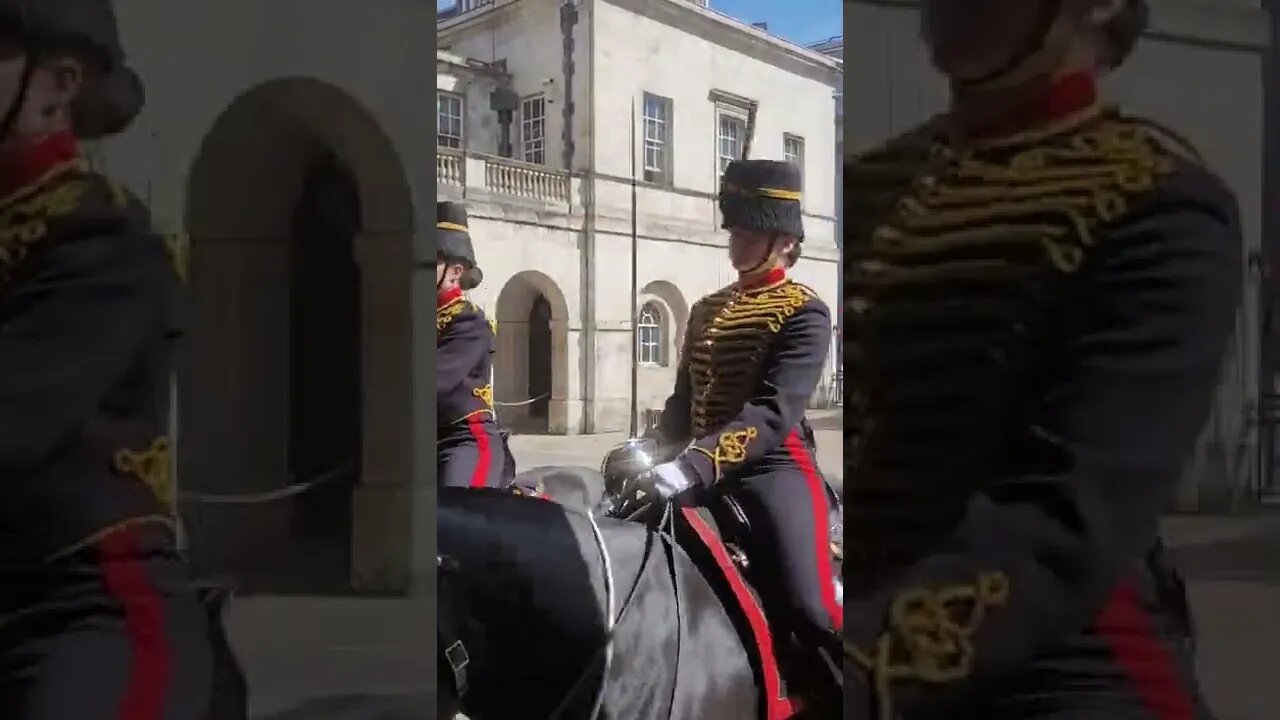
point(1040, 292)
point(98, 616)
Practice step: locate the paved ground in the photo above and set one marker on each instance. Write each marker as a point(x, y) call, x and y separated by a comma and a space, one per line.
point(1232, 566)
point(367, 659)
point(313, 658)
point(588, 450)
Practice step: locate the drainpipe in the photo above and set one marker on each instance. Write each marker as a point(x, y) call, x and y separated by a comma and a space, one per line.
point(570, 14)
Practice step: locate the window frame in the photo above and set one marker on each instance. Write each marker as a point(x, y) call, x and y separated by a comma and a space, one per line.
point(441, 97)
point(526, 123)
point(788, 138)
point(739, 118)
point(662, 173)
point(649, 334)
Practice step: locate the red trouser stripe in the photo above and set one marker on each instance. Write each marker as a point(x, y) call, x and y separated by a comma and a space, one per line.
point(822, 540)
point(777, 707)
point(1142, 655)
point(150, 662)
point(484, 454)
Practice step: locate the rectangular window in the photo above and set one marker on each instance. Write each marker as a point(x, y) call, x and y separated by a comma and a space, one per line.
point(731, 134)
point(657, 139)
point(533, 129)
point(793, 152)
point(449, 120)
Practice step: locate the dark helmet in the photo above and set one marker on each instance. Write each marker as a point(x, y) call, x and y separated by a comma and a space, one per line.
point(105, 106)
point(1046, 47)
point(762, 195)
point(453, 241)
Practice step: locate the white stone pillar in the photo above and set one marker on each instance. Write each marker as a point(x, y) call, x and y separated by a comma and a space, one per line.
point(383, 526)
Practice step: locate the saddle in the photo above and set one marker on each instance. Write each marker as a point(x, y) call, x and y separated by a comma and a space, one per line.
point(711, 537)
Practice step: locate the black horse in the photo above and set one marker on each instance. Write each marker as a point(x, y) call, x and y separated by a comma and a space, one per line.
point(577, 486)
point(546, 612)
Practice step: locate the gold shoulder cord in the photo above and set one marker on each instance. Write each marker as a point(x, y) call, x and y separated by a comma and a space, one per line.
point(1056, 194)
point(26, 215)
point(447, 314)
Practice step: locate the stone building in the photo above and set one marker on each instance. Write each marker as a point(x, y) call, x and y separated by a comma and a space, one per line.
point(1199, 70)
point(536, 101)
point(834, 47)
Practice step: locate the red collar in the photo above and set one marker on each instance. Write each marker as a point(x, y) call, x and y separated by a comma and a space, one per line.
point(1040, 104)
point(30, 162)
point(765, 279)
point(444, 297)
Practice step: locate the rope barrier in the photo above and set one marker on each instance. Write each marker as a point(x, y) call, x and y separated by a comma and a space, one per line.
point(530, 401)
point(269, 495)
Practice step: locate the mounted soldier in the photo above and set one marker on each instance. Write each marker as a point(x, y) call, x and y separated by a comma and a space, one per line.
point(1040, 289)
point(98, 614)
point(471, 451)
point(753, 356)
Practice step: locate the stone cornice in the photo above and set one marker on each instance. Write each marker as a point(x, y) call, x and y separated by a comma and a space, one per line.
point(737, 36)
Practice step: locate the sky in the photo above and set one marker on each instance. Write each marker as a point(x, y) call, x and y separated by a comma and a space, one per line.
point(801, 21)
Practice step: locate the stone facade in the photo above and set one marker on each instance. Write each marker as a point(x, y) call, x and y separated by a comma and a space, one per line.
point(552, 221)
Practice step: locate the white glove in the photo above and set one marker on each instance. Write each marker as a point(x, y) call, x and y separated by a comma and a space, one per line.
point(669, 480)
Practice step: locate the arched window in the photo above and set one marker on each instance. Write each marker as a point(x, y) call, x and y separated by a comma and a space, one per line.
point(649, 335)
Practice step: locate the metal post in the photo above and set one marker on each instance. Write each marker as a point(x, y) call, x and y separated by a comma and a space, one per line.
point(635, 311)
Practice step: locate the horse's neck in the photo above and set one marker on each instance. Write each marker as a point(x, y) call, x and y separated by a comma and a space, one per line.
point(639, 683)
point(677, 652)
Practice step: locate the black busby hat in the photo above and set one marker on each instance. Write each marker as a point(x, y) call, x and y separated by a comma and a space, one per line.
point(453, 241)
point(762, 195)
point(109, 104)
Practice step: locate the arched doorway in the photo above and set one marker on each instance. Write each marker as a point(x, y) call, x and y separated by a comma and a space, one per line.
point(324, 363)
point(540, 359)
point(531, 382)
point(294, 366)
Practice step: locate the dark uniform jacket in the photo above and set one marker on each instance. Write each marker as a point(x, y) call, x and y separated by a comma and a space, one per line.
point(1035, 328)
point(464, 357)
point(753, 356)
point(87, 293)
